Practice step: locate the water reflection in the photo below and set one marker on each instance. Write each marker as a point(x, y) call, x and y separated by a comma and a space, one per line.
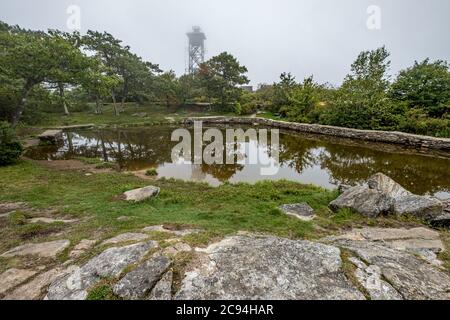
point(319, 160)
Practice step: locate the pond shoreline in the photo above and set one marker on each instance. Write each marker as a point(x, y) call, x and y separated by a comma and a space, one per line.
point(392, 137)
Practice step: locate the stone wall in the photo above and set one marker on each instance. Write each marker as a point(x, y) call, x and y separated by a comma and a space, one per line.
point(393, 137)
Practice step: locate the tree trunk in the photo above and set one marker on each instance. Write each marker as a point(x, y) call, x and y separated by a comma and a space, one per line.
point(122, 103)
point(21, 106)
point(113, 95)
point(63, 98)
point(98, 105)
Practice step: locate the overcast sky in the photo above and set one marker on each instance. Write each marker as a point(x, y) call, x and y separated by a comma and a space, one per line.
point(319, 37)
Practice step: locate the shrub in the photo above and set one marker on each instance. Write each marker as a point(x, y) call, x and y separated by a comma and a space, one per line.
point(151, 172)
point(10, 147)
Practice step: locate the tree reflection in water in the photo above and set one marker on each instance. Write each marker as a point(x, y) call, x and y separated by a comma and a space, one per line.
point(339, 161)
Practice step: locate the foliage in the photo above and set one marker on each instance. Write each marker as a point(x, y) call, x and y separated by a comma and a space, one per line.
point(426, 85)
point(221, 77)
point(301, 100)
point(10, 147)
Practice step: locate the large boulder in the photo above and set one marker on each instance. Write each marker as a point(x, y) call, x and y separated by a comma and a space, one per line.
point(419, 206)
point(364, 200)
point(267, 267)
point(384, 195)
point(386, 185)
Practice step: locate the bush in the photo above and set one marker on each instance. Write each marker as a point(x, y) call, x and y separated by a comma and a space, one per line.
point(417, 121)
point(151, 172)
point(10, 147)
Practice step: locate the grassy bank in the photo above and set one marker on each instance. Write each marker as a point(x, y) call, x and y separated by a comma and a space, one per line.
point(218, 211)
point(132, 114)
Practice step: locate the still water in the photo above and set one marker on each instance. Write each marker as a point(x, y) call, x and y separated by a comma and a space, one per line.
point(319, 160)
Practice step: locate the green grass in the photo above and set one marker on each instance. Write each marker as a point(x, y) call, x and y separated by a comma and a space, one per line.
point(155, 115)
point(219, 211)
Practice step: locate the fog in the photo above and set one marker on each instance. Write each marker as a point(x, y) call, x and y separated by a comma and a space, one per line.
point(319, 37)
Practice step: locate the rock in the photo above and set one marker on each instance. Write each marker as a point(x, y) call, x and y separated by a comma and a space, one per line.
point(109, 263)
point(370, 278)
point(343, 187)
point(178, 247)
point(387, 234)
point(51, 136)
point(6, 208)
point(267, 267)
point(44, 249)
point(420, 240)
point(160, 228)
point(440, 221)
point(141, 193)
point(386, 185)
point(13, 277)
point(418, 206)
point(50, 220)
point(163, 289)
point(300, 211)
point(368, 202)
point(81, 247)
point(125, 237)
point(138, 283)
point(384, 195)
point(412, 277)
point(140, 114)
point(124, 218)
point(34, 289)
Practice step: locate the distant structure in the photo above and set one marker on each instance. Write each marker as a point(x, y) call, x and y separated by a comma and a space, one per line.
point(196, 48)
point(247, 88)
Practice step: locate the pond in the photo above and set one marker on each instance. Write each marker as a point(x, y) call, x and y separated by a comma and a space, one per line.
point(320, 160)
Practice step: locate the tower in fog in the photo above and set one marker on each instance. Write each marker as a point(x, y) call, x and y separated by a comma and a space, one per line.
point(196, 49)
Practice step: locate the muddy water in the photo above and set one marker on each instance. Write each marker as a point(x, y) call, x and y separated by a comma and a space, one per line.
point(319, 160)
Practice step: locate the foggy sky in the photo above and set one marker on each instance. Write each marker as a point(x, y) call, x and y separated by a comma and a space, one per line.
point(319, 37)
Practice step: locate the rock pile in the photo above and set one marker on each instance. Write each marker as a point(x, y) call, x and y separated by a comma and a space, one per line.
point(382, 195)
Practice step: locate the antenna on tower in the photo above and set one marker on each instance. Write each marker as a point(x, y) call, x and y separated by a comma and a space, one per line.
point(196, 50)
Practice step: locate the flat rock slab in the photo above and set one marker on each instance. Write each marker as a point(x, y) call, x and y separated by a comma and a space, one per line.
point(110, 263)
point(50, 220)
point(13, 277)
point(6, 208)
point(422, 241)
point(412, 277)
point(138, 283)
point(177, 248)
point(34, 289)
point(161, 228)
point(125, 237)
point(141, 194)
point(300, 211)
point(388, 234)
point(81, 247)
point(44, 249)
point(163, 289)
point(266, 267)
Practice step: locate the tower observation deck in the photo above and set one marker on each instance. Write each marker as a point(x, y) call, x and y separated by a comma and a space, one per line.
point(196, 48)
